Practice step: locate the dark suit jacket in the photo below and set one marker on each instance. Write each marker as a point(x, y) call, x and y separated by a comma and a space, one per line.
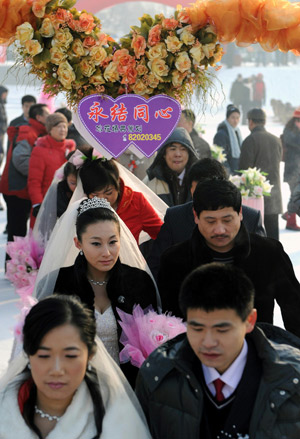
point(178, 227)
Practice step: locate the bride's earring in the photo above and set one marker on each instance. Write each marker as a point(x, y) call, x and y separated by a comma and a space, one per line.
point(81, 253)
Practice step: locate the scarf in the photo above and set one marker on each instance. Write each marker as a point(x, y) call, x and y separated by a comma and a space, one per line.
point(234, 135)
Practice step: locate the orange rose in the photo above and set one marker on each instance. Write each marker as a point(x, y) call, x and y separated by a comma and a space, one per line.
point(130, 76)
point(89, 42)
point(124, 61)
point(138, 44)
point(183, 16)
point(63, 16)
point(84, 24)
point(154, 35)
point(140, 88)
point(170, 23)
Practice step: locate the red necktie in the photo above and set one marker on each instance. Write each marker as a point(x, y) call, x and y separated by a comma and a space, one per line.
point(219, 384)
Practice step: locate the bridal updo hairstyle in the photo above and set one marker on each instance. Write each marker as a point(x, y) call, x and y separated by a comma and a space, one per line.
point(97, 174)
point(49, 313)
point(93, 216)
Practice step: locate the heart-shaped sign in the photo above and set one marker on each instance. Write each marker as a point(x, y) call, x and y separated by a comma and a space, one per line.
point(129, 120)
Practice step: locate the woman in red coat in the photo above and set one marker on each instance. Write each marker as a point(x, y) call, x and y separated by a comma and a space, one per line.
point(47, 156)
point(100, 178)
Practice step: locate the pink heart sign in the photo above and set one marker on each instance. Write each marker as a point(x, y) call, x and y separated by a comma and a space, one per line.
point(129, 120)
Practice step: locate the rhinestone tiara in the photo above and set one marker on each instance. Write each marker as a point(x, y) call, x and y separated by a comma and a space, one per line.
point(94, 203)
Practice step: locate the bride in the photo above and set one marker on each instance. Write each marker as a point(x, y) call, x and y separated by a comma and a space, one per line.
point(65, 384)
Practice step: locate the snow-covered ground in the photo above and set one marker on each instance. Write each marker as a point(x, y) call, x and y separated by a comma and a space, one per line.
point(282, 83)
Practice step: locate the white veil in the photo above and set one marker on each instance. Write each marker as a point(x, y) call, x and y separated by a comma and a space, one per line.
point(119, 399)
point(47, 216)
point(61, 252)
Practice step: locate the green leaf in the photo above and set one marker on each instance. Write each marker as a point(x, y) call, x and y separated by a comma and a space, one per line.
point(42, 57)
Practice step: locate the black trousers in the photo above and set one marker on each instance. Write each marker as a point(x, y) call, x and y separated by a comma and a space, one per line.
point(18, 211)
point(272, 226)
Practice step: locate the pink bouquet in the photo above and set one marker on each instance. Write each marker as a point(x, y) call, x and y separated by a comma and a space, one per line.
point(144, 331)
point(26, 255)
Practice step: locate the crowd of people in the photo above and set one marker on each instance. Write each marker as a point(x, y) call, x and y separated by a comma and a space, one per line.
point(176, 238)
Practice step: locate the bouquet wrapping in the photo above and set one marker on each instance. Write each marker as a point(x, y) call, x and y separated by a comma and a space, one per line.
point(144, 331)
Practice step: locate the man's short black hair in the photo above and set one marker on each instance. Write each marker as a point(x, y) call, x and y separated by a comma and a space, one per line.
point(36, 110)
point(189, 115)
point(206, 169)
point(216, 194)
point(28, 98)
point(217, 286)
point(66, 112)
point(257, 115)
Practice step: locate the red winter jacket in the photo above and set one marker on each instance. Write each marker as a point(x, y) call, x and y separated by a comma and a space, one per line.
point(24, 132)
point(47, 156)
point(137, 213)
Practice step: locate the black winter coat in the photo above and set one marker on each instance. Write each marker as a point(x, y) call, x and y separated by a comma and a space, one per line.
point(172, 397)
point(126, 287)
point(264, 262)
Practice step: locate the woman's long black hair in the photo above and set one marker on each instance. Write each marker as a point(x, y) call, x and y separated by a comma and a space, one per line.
point(46, 315)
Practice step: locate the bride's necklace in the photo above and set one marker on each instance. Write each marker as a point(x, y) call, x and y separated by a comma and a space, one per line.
point(45, 415)
point(95, 282)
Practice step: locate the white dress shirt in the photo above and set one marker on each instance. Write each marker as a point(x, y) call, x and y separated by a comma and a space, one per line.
point(231, 377)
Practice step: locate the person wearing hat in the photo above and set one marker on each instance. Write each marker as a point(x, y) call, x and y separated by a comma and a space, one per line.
point(47, 156)
point(263, 150)
point(229, 137)
point(291, 143)
point(167, 174)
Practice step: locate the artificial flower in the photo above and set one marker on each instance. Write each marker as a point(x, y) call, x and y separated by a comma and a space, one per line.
point(187, 37)
point(170, 23)
point(173, 43)
point(183, 62)
point(111, 73)
point(58, 55)
point(66, 75)
point(138, 44)
point(87, 66)
point(152, 80)
point(158, 67)
point(24, 32)
point(154, 35)
point(177, 78)
point(97, 78)
point(197, 53)
point(47, 29)
point(33, 47)
point(78, 48)
point(157, 51)
point(98, 54)
point(140, 88)
point(62, 37)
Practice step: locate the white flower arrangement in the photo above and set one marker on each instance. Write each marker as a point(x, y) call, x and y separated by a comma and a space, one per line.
point(252, 183)
point(217, 153)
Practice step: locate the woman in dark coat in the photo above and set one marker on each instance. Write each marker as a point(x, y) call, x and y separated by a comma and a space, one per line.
point(100, 280)
point(229, 137)
point(291, 144)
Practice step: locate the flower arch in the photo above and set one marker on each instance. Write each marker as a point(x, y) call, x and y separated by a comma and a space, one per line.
point(68, 51)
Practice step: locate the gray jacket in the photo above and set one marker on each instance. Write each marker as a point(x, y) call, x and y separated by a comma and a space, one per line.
point(172, 397)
